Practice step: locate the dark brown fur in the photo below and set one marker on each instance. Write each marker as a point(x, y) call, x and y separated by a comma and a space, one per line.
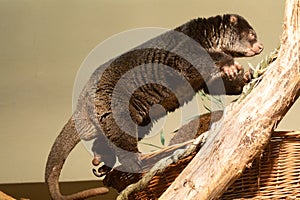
point(222, 37)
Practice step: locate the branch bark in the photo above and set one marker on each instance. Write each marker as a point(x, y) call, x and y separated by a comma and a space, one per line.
point(4, 196)
point(247, 127)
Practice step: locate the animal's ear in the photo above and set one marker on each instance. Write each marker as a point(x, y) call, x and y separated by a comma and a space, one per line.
point(233, 19)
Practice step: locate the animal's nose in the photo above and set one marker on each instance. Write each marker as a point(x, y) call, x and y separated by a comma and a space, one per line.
point(258, 47)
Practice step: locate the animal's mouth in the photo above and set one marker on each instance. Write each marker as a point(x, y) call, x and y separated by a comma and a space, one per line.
point(250, 53)
point(257, 48)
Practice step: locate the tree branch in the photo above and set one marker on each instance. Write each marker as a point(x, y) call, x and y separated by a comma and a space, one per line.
point(247, 127)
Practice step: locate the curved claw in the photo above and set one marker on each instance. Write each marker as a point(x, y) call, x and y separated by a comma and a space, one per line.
point(96, 173)
point(102, 171)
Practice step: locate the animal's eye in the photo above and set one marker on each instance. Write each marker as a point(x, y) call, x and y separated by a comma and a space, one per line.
point(251, 35)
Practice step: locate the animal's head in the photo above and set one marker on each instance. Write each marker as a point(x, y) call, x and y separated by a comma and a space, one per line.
point(239, 37)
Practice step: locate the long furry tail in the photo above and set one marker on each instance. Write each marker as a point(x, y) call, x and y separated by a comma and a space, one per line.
point(63, 145)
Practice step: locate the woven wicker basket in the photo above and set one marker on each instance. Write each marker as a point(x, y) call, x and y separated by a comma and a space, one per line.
point(275, 175)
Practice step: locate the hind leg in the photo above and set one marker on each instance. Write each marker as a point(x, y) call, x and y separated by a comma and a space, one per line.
point(103, 153)
point(128, 154)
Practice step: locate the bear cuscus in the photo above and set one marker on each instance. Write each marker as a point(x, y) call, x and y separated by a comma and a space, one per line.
point(222, 38)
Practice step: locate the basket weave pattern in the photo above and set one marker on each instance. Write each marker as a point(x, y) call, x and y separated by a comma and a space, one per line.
point(275, 175)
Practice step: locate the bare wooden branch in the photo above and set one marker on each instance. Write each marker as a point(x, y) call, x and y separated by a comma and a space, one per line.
point(247, 127)
point(4, 196)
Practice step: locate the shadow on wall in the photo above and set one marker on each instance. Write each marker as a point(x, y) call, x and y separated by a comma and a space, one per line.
point(37, 191)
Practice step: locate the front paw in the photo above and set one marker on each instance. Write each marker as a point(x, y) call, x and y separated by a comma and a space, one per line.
point(231, 72)
point(235, 79)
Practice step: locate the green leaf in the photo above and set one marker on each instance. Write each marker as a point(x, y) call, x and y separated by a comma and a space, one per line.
point(151, 145)
point(162, 137)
